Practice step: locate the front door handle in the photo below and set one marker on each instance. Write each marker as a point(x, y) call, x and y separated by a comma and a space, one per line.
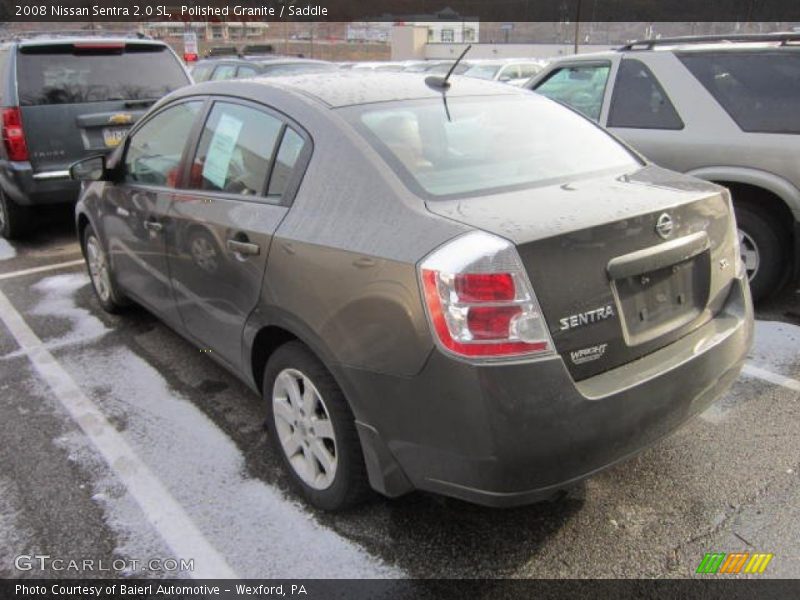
point(244, 248)
point(154, 226)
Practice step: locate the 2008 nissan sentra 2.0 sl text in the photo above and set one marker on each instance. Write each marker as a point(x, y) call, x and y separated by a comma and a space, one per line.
point(458, 287)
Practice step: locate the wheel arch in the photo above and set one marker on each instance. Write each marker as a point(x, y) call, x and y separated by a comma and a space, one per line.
point(782, 196)
point(268, 329)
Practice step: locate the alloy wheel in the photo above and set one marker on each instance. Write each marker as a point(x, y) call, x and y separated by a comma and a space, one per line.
point(749, 253)
point(98, 268)
point(304, 428)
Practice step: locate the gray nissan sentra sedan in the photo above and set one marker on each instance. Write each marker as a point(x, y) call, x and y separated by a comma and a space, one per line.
point(469, 290)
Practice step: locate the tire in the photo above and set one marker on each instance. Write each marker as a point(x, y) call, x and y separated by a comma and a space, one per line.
point(764, 246)
point(298, 443)
point(14, 219)
point(105, 290)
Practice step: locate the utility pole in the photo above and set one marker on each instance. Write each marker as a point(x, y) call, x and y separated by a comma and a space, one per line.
point(577, 27)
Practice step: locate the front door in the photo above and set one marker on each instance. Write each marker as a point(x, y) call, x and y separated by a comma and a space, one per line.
point(136, 219)
point(239, 183)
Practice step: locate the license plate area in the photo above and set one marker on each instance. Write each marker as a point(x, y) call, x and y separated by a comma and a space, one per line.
point(113, 136)
point(658, 302)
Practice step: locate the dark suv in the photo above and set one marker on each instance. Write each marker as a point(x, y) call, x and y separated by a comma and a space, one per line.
point(64, 98)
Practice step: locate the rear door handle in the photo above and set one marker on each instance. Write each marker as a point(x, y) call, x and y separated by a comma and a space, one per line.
point(245, 248)
point(154, 226)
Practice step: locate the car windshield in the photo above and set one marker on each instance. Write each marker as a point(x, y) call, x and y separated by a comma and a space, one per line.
point(488, 143)
point(483, 71)
point(67, 74)
point(272, 69)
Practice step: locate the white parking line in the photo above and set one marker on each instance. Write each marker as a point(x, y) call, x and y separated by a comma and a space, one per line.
point(759, 373)
point(31, 271)
point(163, 512)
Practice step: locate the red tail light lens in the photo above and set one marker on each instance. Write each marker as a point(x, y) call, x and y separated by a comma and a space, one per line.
point(14, 135)
point(479, 301)
point(485, 287)
point(491, 323)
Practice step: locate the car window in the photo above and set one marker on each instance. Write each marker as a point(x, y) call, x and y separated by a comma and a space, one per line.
point(154, 151)
point(224, 72)
point(246, 72)
point(297, 68)
point(482, 71)
point(73, 73)
point(529, 70)
point(235, 150)
point(760, 89)
point(509, 72)
point(291, 146)
point(639, 101)
point(493, 143)
point(581, 87)
point(201, 73)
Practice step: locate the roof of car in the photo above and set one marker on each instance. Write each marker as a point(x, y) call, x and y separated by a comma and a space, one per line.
point(502, 61)
point(345, 88)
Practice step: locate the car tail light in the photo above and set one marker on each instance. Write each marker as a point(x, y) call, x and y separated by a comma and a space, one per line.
point(190, 57)
point(14, 135)
point(479, 301)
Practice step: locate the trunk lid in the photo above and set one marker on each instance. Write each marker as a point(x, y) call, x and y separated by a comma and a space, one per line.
point(611, 287)
point(80, 98)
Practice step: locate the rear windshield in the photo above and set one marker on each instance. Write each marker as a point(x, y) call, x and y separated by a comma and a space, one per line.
point(482, 71)
point(489, 143)
point(760, 89)
point(64, 74)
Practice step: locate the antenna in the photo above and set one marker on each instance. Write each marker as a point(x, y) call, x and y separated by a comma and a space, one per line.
point(442, 82)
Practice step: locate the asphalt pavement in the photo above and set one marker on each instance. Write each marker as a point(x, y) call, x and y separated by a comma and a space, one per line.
point(123, 445)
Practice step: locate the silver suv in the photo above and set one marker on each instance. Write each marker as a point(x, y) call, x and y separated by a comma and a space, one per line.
point(721, 108)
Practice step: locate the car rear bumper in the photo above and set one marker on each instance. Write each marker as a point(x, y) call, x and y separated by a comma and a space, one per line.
point(515, 434)
point(27, 188)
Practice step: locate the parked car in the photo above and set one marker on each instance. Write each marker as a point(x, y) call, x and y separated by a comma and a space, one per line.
point(388, 67)
point(64, 98)
point(438, 67)
point(722, 108)
point(488, 297)
point(512, 71)
point(235, 68)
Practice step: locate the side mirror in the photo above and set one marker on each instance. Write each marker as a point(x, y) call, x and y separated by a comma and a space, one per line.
point(505, 78)
point(89, 169)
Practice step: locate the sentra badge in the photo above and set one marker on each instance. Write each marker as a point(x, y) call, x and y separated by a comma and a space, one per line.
point(586, 318)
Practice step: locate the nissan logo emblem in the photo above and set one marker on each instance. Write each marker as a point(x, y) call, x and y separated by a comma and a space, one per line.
point(664, 225)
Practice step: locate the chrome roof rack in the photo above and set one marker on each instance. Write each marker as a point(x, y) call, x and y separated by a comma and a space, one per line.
point(784, 37)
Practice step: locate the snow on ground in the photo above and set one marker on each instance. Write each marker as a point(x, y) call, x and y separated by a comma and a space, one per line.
point(58, 301)
point(777, 348)
point(261, 532)
point(6, 250)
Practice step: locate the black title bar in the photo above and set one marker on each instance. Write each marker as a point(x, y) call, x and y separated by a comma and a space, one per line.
point(401, 10)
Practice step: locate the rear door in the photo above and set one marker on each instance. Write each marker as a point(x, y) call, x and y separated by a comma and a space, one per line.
point(642, 112)
point(80, 98)
point(238, 186)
